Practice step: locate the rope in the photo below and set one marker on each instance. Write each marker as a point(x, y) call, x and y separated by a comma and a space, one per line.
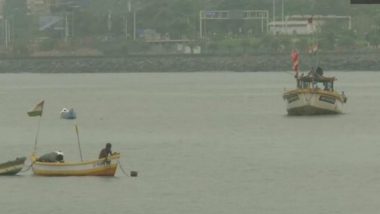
point(121, 168)
point(27, 169)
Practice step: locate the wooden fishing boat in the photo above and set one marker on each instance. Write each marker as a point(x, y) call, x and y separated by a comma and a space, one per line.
point(101, 167)
point(12, 167)
point(53, 164)
point(315, 94)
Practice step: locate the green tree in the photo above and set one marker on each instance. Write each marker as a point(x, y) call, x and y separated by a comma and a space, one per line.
point(373, 37)
point(178, 18)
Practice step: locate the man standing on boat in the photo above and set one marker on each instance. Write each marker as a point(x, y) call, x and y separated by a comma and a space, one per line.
point(105, 151)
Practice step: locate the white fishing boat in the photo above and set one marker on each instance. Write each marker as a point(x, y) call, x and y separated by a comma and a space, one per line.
point(315, 94)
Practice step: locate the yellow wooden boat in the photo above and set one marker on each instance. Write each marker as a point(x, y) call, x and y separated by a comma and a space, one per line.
point(101, 167)
point(52, 164)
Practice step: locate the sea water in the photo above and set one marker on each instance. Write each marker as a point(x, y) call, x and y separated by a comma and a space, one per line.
point(202, 143)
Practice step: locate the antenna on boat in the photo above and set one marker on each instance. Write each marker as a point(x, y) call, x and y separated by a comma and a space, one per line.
point(314, 25)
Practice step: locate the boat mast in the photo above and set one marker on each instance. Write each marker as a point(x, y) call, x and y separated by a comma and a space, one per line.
point(80, 150)
point(315, 44)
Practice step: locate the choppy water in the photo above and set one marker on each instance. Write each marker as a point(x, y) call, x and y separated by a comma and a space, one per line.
point(203, 143)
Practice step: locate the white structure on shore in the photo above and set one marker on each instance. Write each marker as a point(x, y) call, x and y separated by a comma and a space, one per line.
point(292, 27)
point(305, 24)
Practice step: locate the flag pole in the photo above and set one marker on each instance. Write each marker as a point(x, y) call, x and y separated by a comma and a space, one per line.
point(37, 111)
point(37, 134)
point(80, 150)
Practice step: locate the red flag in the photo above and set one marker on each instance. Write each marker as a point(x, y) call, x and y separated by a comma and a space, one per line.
point(295, 61)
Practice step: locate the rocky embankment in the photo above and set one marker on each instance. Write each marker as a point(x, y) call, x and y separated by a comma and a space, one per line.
point(181, 63)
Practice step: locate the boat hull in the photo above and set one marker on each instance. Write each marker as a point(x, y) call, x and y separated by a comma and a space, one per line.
point(313, 102)
point(12, 167)
point(99, 167)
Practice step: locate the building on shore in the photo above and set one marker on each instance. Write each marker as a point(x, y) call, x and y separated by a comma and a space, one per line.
point(292, 27)
point(306, 24)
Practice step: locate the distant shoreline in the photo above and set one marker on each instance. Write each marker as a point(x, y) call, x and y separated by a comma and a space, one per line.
point(188, 63)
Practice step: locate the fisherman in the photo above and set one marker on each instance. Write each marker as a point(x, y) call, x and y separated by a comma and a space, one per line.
point(105, 151)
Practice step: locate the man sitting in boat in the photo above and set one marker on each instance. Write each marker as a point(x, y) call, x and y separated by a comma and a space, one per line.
point(56, 156)
point(105, 151)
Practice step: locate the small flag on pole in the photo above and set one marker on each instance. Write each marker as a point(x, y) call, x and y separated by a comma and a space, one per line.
point(295, 61)
point(37, 111)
